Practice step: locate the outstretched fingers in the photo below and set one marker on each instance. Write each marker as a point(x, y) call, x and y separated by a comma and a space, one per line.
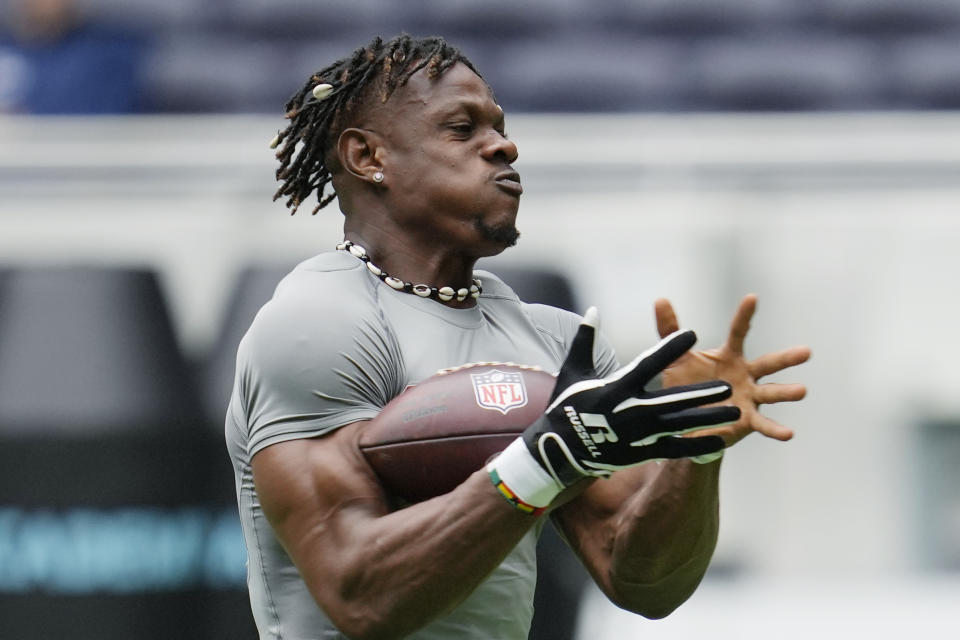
point(699, 417)
point(778, 361)
point(670, 447)
point(673, 399)
point(772, 393)
point(770, 428)
point(740, 325)
point(666, 317)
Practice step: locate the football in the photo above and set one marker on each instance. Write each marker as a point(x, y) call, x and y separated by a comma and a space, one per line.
point(431, 437)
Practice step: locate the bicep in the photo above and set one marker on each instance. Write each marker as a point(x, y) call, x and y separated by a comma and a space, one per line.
point(314, 492)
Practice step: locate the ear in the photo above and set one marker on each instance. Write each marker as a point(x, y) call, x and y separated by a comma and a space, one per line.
point(360, 152)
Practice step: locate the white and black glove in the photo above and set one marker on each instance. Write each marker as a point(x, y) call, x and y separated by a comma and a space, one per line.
point(594, 426)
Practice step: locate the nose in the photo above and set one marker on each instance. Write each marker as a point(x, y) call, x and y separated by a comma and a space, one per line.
point(498, 144)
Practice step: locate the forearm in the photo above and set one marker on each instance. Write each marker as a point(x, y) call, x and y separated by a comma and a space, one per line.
point(666, 538)
point(397, 572)
point(647, 534)
point(670, 522)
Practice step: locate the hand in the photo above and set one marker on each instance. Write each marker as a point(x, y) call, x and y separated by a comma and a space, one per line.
point(728, 363)
point(594, 426)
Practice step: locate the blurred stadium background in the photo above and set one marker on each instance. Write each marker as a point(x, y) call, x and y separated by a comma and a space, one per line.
point(805, 150)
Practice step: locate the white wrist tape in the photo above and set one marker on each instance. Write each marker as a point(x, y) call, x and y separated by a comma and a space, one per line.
point(519, 472)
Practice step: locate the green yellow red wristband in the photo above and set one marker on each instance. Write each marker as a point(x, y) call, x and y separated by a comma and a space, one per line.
point(511, 497)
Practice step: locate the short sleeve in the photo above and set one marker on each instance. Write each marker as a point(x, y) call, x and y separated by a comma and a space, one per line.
point(312, 362)
point(561, 326)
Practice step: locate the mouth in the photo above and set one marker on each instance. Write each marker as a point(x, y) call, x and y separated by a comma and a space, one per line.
point(509, 181)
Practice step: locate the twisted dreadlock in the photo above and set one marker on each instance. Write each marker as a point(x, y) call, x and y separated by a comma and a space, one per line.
point(316, 124)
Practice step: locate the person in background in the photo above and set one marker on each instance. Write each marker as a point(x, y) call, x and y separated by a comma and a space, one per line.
point(53, 61)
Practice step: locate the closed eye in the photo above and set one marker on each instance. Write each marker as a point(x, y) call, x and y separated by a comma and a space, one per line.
point(464, 129)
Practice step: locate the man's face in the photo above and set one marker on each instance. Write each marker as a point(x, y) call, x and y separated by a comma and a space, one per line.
point(447, 163)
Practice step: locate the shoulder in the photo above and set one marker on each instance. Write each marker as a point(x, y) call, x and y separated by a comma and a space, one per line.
point(557, 325)
point(324, 304)
point(331, 287)
point(319, 355)
point(328, 279)
point(557, 322)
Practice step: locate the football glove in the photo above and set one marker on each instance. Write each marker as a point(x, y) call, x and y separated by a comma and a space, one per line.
point(594, 426)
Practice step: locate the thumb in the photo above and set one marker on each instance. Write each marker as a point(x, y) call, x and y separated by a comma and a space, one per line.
point(579, 361)
point(666, 317)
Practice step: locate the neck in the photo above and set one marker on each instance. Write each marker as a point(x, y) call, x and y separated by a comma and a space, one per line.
point(412, 258)
point(453, 294)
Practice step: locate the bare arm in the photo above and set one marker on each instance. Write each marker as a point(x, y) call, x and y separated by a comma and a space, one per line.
point(647, 534)
point(378, 573)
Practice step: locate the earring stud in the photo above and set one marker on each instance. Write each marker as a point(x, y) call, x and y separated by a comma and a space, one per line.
point(378, 176)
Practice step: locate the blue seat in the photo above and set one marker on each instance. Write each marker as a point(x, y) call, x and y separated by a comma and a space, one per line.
point(924, 73)
point(496, 20)
point(695, 18)
point(155, 17)
point(875, 18)
point(782, 74)
point(356, 21)
point(591, 72)
point(209, 73)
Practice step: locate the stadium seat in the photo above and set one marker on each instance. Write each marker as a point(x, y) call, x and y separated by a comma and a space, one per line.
point(590, 72)
point(657, 55)
point(786, 73)
point(149, 15)
point(355, 21)
point(694, 18)
point(105, 519)
point(499, 21)
point(924, 73)
point(886, 18)
point(203, 72)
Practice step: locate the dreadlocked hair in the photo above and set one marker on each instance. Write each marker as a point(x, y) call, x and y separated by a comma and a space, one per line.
point(378, 69)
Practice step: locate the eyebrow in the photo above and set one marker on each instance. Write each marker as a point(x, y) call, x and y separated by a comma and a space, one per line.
point(466, 104)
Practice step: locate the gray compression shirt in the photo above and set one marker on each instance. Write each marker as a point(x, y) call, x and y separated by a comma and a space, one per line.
point(332, 347)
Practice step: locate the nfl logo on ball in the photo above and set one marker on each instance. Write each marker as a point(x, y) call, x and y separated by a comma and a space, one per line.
point(499, 390)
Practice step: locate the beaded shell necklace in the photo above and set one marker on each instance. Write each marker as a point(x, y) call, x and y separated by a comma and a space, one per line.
point(443, 294)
